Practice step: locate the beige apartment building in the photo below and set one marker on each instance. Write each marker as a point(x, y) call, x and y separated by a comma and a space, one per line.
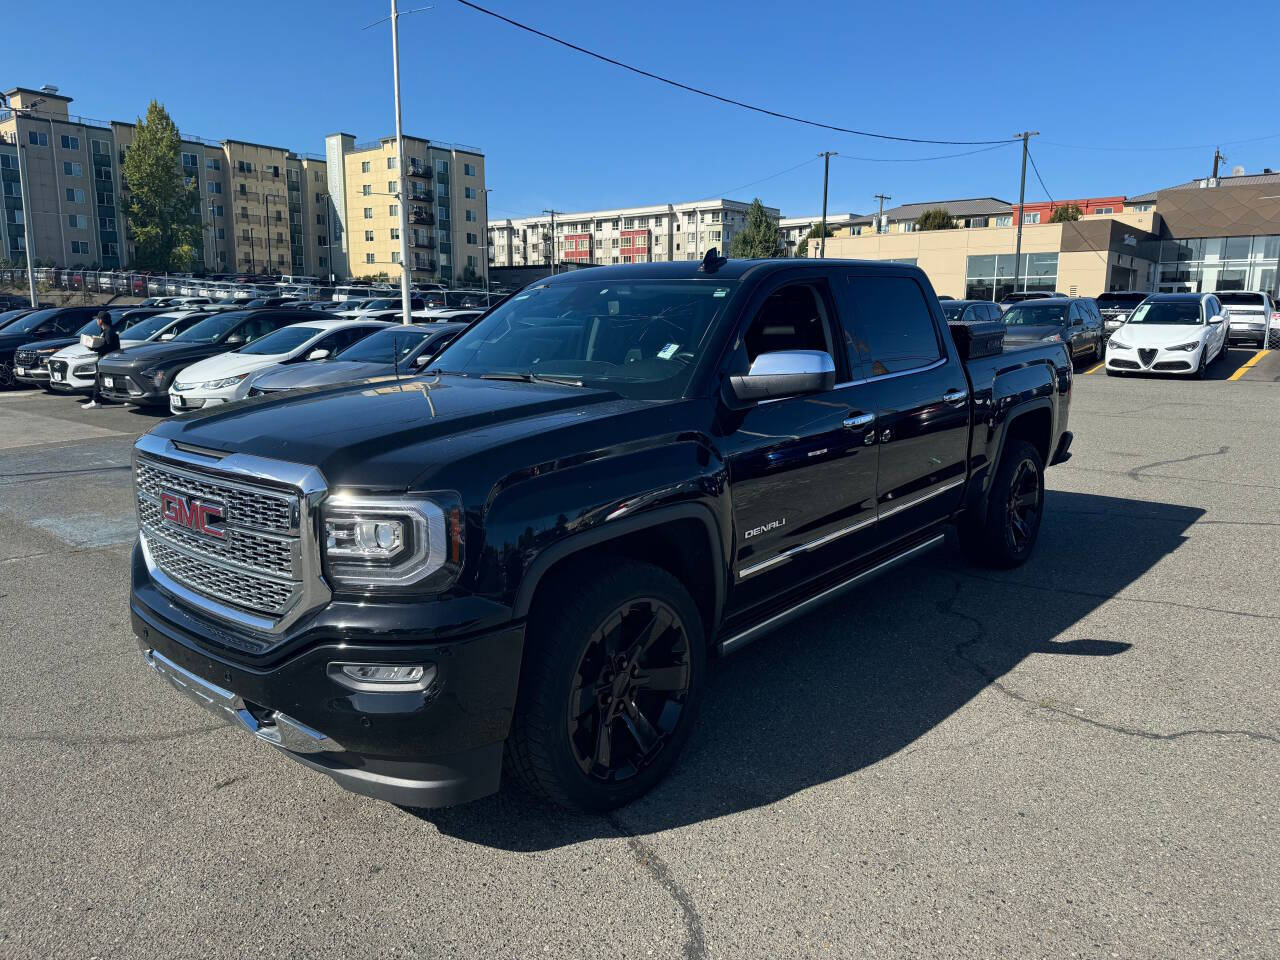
point(446, 208)
point(669, 231)
point(261, 207)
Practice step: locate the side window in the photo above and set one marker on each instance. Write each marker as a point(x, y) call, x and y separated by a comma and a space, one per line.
point(341, 339)
point(793, 317)
point(1074, 315)
point(994, 313)
point(894, 328)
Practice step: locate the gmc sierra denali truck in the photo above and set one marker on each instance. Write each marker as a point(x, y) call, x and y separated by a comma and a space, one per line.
point(525, 556)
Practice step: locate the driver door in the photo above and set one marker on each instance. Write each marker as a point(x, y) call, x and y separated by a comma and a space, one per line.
point(802, 470)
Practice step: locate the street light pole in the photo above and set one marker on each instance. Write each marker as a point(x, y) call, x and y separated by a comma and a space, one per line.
point(400, 168)
point(27, 224)
point(1025, 137)
point(487, 191)
point(826, 156)
point(552, 242)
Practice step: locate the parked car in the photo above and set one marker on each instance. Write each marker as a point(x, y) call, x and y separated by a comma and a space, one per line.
point(36, 326)
point(1011, 298)
point(441, 314)
point(142, 375)
point(1073, 320)
point(1252, 317)
point(599, 485)
point(74, 368)
point(223, 378)
point(9, 316)
point(31, 362)
point(1115, 308)
point(1181, 333)
point(970, 311)
point(396, 351)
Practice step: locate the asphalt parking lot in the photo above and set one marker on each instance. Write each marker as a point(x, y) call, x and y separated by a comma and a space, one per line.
point(1079, 758)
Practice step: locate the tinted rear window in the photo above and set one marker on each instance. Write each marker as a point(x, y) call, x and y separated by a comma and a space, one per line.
point(893, 326)
point(1242, 299)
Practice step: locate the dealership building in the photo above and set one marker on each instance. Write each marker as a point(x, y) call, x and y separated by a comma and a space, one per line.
point(1209, 234)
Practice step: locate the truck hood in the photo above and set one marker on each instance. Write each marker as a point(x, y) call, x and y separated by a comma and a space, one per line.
point(386, 435)
point(321, 374)
point(1158, 334)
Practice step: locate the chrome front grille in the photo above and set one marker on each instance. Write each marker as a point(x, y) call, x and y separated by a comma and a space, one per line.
point(26, 358)
point(256, 564)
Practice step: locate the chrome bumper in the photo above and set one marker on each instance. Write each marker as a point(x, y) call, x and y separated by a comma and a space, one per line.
point(275, 728)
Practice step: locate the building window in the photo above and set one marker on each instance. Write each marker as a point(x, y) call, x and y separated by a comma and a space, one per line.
point(393, 210)
point(72, 168)
point(395, 256)
point(214, 186)
point(321, 219)
point(473, 239)
point(1101, 210)
point(70, 143)
point(470, 193)
point(275, 171)
point(74, 195)
point(990, 276)
point(1005, 220)
point(1031, 218)
point(78, 221)
point(80, 246)
point(368, 258)
point(106, 199)
point(99, 148)
point(188, 159)
point(364, 166)
point(391, 188)
point(38, 139)
point(468, 169)
point(321, 240)
point(366, 190)
point(391, 163)
point(626, 241)
point(110, 249)
point(217, 210)
point(368, 213)
point(395, 233)
point(368, 236)
point(212, 163)
point(1143, 207)
point(471, 216)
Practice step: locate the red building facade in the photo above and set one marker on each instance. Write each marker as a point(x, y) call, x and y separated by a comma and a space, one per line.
point(1042, 212)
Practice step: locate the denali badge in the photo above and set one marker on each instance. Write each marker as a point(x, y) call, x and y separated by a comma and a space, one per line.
point(772, 525)
point(199, 516)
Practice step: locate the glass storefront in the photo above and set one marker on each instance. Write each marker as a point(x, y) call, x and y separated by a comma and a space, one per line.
point(990, 277)
point(1206, 264)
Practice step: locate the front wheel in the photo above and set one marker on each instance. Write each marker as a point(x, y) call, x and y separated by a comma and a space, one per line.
point(1204, 364)
point(1015, 506)
point(610, 686)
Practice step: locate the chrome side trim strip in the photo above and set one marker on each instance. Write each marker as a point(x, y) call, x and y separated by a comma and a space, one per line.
point(738, 640)
point(898, 507)
point(890, 376)
point(804, 547)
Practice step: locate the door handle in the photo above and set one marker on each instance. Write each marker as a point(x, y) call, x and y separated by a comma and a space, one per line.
point(955, 396)
point(860, 420)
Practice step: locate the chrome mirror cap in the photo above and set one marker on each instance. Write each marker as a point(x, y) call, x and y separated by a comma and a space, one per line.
point(786, 373)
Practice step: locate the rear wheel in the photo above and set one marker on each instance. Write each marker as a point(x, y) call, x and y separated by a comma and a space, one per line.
point(610, 687)
point(1014, 509)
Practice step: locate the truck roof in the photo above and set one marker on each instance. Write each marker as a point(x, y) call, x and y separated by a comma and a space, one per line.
point(729, 269)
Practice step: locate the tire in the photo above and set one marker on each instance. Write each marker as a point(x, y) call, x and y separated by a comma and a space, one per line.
point(1111, 373)
point(997, 541)
point(636, 710)
point(1204, 364)
point(6, 376)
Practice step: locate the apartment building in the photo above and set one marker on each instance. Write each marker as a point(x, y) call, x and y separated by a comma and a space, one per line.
point(446, 208)
point(254, 215)
point(669, 231)
point(791, 230)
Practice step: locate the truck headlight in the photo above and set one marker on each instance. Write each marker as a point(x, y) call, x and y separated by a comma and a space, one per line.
point(381, 544)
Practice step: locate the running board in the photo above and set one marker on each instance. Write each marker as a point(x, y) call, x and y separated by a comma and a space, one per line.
point(739, 640)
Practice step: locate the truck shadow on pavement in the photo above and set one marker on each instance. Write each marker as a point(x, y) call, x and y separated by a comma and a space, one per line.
point(868, 675)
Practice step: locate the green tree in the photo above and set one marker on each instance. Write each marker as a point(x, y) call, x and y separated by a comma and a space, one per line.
point(161, 224)
point(760, 236)
point(802, 248)
point(1071, 211)
point(936, 218)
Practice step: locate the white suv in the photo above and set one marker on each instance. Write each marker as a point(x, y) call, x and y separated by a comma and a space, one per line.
point(1251, 317)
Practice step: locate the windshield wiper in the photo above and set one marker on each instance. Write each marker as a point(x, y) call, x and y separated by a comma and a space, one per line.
point(529, 376)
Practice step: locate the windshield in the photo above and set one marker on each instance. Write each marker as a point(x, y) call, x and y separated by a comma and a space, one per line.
point(386, 346)
point(145, 329)
point(9, 316)
point(210, 330)
point(641, 338)
point(30, 321)
point(1175, 312)
point(1032, 314)
point(281, 341)
point(91, 328)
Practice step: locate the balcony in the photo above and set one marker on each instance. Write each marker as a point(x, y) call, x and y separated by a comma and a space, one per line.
point(422, 171)
point(249, 218)
point(422, 217)
point(424, 243)
point(425, 197)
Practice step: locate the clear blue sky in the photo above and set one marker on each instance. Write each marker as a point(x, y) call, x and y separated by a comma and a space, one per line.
point(562, 130)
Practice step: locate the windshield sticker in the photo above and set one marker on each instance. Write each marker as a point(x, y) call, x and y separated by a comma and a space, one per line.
point(720, 291)
point(669, 351)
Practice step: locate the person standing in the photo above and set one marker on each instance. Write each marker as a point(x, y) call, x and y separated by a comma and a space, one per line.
point(110, 344)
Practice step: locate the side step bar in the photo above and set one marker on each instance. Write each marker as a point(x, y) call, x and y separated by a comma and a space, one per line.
point(739, 640)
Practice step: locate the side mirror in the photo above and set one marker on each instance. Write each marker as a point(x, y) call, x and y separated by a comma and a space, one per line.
point(786, 373)
point(421, 360)
point(1215, 320)
point(167, 336)
point(235, 340)
point(320, 354)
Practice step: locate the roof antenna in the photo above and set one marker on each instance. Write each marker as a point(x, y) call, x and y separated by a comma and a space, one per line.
point(712, 261)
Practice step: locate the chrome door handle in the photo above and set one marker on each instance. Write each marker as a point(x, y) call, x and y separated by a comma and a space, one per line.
point(861, 420)
point(955, 396)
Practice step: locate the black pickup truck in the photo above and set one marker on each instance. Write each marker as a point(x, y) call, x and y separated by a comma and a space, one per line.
point(530, 552)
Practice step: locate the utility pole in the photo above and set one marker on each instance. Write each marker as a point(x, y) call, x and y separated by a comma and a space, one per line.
point(1025, 137)
point(553, 238)
point(826, 156)
point(400, 170)
point(487, 191)
point(880, 216)
point(1217, 158)
point(213, 226)
point(28, 224)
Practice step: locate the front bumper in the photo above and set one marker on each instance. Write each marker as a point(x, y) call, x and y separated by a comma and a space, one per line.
point(64, 379)
point(437, 746)
point(1154, 360)
point(1247, 331)
point(127, 386)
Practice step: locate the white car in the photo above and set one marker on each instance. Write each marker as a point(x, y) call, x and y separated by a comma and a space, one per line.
point(74, 369)
point(225, 377)
point(1252, 316)
point(1179, 333)
point(442, 314)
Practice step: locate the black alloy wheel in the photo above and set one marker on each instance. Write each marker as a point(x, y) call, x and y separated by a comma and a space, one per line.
point(629, 690)
point(6, 376)
point(1022, 510)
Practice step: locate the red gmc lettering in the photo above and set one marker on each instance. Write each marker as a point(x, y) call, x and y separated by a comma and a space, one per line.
point(192, 515)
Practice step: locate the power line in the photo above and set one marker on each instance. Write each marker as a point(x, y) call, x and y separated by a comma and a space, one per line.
point(1193, 146)
point(1053, 202)
point(941, 156)
point(715, 96)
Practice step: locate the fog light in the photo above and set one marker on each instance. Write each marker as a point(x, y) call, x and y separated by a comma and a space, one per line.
point(387, 677)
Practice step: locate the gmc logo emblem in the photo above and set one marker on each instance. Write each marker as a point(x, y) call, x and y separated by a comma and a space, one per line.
point(192, 514)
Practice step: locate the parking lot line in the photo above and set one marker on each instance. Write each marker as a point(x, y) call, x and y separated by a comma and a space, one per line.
point(1096, 368)
point(1248, 364)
